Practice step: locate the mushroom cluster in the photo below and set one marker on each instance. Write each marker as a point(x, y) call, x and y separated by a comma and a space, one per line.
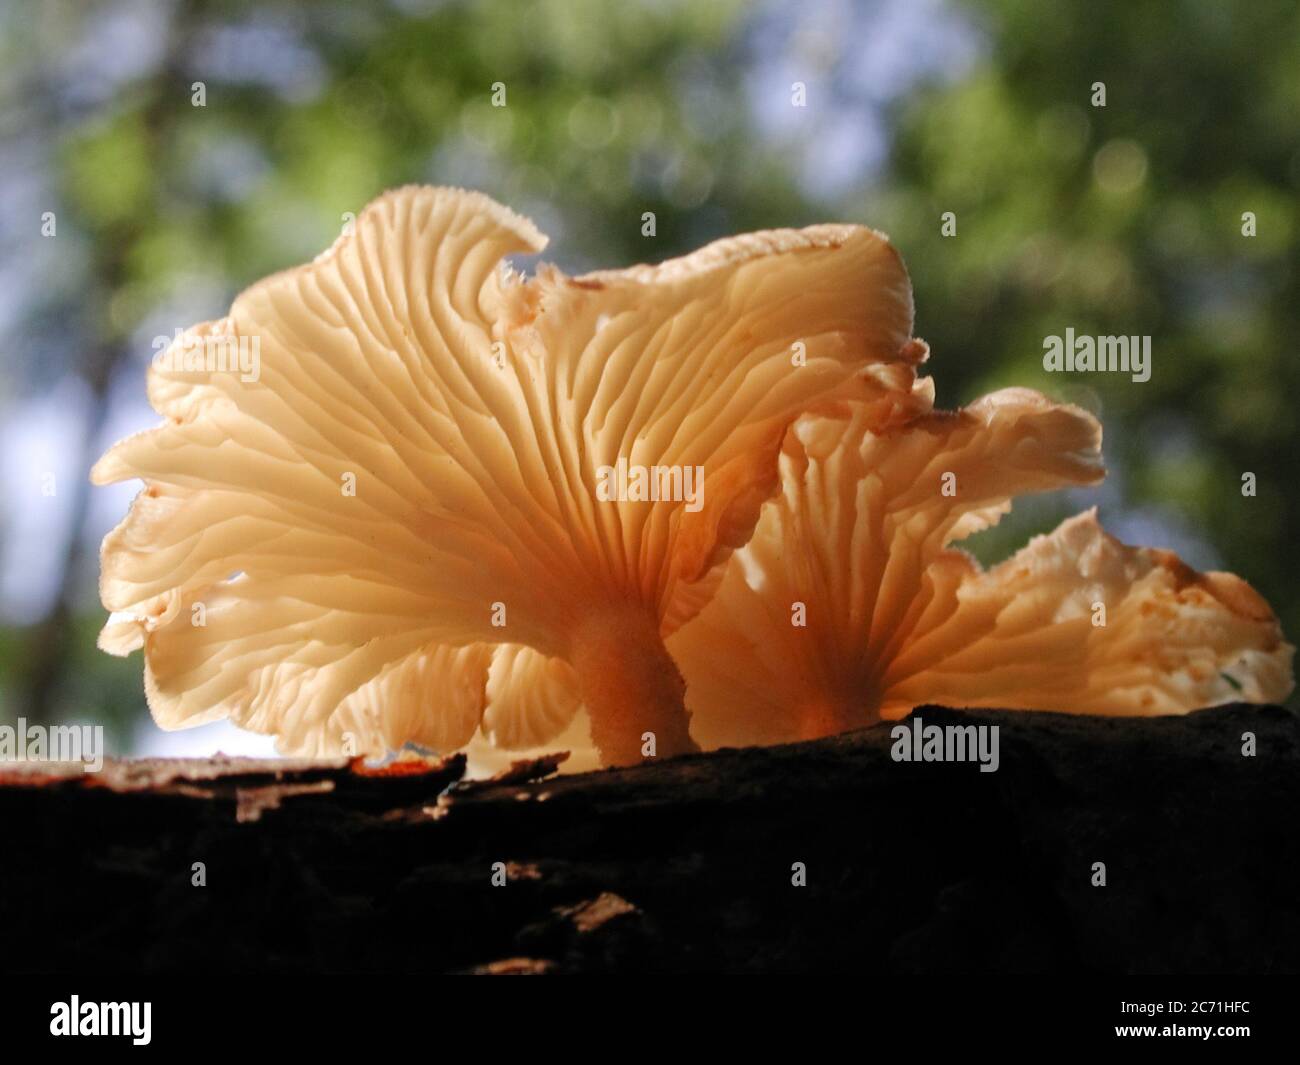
point(639, 511)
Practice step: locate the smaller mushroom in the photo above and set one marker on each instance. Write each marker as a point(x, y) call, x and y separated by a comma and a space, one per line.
point(848, 605)
point(534, 706)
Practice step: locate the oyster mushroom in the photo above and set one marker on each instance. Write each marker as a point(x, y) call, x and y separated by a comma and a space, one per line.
point(418, 468)
point(858, 540)
point(531, 699)
point(534, 707)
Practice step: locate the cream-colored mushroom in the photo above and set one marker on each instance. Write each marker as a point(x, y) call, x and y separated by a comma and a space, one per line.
point(417, 469)
point(848, 605)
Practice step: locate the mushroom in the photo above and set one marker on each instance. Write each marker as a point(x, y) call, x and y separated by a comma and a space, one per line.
point(534, 707)
point(849, 606)
point(420, 471)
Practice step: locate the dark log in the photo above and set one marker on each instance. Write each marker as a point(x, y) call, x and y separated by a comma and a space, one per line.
point(682, 865)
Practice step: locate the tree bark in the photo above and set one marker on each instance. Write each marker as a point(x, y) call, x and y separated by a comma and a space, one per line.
point(685, 864)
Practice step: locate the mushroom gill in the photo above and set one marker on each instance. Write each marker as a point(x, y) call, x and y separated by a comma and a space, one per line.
point(328, 552)
point(848, 605)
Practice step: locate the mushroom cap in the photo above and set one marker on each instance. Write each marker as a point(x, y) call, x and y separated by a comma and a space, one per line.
point(471, 411)
point(1023, 634)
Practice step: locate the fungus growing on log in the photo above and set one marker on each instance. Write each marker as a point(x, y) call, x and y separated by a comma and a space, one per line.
point(326, 549)
point(849, 605)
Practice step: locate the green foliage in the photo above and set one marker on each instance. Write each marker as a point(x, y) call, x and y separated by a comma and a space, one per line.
point(1117, 220)
point(1126, 219)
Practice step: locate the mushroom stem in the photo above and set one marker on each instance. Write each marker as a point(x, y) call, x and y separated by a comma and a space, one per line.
point(630, 686)
point(831, 715)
